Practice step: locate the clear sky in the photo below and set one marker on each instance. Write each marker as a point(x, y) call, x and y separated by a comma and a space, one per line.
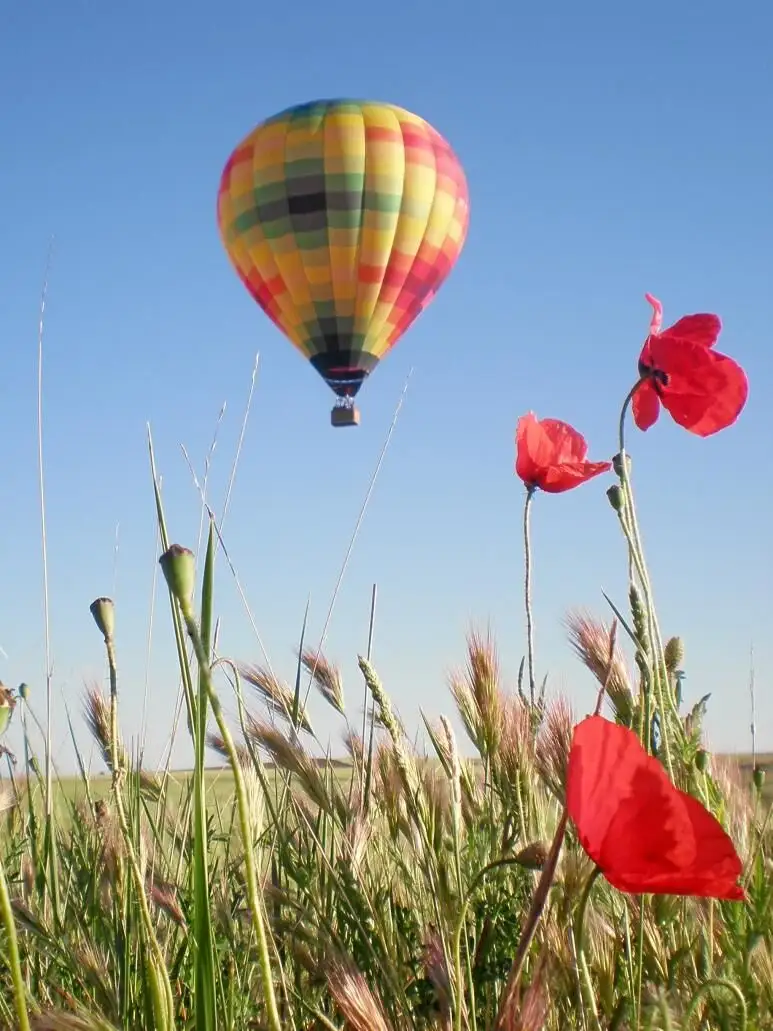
point(610, 149)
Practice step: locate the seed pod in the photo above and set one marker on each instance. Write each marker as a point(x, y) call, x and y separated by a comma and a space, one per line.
point(616, 497)
point(533, 856)
point(103, 612)
point(179, 569)
point(617, 464)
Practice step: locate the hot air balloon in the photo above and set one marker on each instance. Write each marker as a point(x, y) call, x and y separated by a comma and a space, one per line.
point(343, 218)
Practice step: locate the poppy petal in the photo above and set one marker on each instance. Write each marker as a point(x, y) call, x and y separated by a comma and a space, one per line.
point(531, 446)
point(657, 313)
point(568, 444)
point(643, 833)
point(705, 391)
point(702, 330)
point(558, 478)
point(550, 455)
point(646, 406)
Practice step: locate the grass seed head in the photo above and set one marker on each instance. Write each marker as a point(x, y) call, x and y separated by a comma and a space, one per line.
point(590, 640)
point(278, 697)
point(96, 711)
point(477, 694)
point(164, 896)
point(553, 744)
point(327, 678)
point(358, 1005)
point(673, 653)
point(515, 755)
point(526, 1011)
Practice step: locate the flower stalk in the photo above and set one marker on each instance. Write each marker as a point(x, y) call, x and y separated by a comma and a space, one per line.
point(103, 613)
point(178, 567)
point(530, 491)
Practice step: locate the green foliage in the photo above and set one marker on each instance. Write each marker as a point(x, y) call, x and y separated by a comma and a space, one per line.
point(395, 892)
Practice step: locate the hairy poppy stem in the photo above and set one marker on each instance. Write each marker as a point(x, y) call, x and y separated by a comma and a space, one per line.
point(636, 553)
point(533, 918)
point(579, 931)
point(530, 491)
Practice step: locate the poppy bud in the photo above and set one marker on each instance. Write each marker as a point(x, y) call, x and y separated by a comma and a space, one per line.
point(617, 464)
point(178, 567)
point(103, 612)
point(673, 653)
point(758, 777)
point(24, 692)
point(534, 856)
point(616, 497)
point(702, 760)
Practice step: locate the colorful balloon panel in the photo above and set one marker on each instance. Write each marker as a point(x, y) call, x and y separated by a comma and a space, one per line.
point(343, 219)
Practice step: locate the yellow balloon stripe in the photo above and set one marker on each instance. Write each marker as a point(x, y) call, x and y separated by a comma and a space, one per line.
point(343, 219)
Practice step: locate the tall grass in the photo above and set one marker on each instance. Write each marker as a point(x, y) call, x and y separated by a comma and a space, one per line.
point(399, 891)
point(405, 915)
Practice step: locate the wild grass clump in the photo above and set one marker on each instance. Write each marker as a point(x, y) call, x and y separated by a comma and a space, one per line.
point(462, 888)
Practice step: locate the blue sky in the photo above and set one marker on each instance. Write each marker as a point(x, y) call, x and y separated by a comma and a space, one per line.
point(609, 152)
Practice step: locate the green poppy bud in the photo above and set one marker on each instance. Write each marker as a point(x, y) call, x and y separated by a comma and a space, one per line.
point(179, 568)
point(103, 612)
point(759, 777)
point(617, 464)
point(616, 497)
point(702, 760)
point(24, 692)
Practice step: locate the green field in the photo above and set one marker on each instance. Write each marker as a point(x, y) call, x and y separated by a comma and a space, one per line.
point(220, 787)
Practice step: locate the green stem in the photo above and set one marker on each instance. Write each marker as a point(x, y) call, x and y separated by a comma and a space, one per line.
point(640, 962)
point(256, 902)
point(161, 988)
point(631, 531)
point(579, 929)
point(19, 993)
point(708, 987)
point(530, 491)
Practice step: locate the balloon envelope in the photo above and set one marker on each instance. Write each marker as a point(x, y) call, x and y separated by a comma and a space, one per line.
point(342, 219)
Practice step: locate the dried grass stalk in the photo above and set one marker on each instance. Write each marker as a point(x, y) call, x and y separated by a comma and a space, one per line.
point(326, 677)
point(477, 694)
point(590, 639)
point(358, 1004)
point(278, 697)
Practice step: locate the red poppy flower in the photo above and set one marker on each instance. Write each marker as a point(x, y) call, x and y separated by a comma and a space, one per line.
point(551, 454)
point(704, 391)
point(645, 834)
